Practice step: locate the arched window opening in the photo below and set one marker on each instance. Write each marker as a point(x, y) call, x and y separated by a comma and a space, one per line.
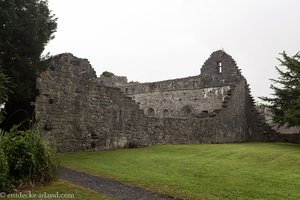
point(119, 115)
point(187, 111)
point(150, 112)
point(166, 112)
point(194, 84)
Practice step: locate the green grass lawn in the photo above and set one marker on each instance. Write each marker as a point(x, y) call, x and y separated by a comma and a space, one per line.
point(206, 171)
point(61, 187)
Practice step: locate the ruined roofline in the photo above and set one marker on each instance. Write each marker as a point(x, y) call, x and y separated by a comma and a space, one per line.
point(69, 55)
point(162, 81)
point(219, 69)
point(214, 54)
point(207, 78)
point(170, 90)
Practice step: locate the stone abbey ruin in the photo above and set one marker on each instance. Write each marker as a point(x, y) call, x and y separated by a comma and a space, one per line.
point(79, 111)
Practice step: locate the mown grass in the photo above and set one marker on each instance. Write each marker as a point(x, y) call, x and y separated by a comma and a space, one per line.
point(206, 171)
point(60, 187)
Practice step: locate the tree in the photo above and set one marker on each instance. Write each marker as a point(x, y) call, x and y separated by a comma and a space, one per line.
point(4, 90)
point(285, 103)
point(26, 26)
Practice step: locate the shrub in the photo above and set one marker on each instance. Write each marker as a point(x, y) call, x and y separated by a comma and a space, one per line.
point(29, 159)
point(107, 74)
point(5, 184)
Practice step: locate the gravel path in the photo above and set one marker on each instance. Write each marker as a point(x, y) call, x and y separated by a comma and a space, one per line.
point(109, 187)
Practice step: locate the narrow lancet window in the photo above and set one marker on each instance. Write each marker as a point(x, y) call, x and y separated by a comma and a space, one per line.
point(220, 67)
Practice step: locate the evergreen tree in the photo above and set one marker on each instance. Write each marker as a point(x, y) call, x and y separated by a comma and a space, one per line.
point(285, 103)
point(26, 26)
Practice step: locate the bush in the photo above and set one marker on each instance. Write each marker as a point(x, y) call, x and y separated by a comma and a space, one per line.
point(29, 159)
point(5, 184)
point(107, 74)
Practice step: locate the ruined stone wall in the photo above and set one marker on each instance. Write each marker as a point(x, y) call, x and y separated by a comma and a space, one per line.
point(292, 138)
point(181, 103)
point(177, 98)
point(188, 83)
point(63, 99)
point(77, 112)
point(267, 116)
point(228, 124)
point(112, 81)
point(186, 97)
point(231, 121)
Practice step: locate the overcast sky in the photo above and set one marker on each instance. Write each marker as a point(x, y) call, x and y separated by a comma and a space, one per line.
point(152, 40)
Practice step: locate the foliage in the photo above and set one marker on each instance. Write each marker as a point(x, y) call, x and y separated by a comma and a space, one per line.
point(285, 105)
point(4, 90)
point(107, 74)
point(260, 105)
point(29, 159)
point(134, 82)
point(25, 28)
point(5, 184)
point(206, 171)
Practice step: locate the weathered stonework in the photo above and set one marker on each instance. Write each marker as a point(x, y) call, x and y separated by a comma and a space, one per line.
point(79, 111)
point(287, 134)
point(181, 103)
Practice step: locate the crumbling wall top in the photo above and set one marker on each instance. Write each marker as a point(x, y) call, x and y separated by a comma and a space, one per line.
point(220, 69)
point(112, 81)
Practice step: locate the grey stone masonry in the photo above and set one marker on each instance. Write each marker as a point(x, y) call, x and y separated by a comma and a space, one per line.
point(185, 97)
point(78, 111)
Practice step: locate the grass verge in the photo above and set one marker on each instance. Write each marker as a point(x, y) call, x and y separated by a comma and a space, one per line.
point(60, 189)
point(206, 171)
